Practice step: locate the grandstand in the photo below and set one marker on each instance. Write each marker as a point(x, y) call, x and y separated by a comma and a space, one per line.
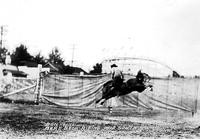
point(131, 65)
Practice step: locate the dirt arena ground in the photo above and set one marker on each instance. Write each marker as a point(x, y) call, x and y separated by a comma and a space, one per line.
point(52, 122)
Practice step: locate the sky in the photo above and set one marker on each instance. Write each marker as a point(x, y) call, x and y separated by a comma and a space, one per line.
point(164, 30)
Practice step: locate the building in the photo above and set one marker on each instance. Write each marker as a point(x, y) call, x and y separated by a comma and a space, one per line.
point(14, 70)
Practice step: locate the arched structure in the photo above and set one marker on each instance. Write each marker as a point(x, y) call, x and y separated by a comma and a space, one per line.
point(131, 65)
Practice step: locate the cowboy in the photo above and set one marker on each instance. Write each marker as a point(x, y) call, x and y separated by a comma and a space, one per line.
point(117, 76)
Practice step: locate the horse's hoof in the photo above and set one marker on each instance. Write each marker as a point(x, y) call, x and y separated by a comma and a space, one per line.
point(101, 103)
point(97, 101)
point(151, 109)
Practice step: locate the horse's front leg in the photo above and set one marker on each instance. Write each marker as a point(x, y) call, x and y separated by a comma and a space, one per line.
point(150, 86)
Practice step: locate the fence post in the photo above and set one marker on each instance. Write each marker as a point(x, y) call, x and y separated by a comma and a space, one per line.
point(82, 87)
point(196, 99)
point(38, 85)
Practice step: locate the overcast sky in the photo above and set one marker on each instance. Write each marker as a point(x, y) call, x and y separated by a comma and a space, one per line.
point(163, 30)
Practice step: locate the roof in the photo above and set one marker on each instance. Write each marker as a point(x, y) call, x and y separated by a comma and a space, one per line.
point(9, 67)
point(78, 70)
point(29, 63)
point(16, 73)
point(14, 70)
point(52, 67)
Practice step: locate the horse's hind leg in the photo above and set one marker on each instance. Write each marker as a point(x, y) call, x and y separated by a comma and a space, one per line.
point(104, 99)
point(97, 101)
point(107, 93)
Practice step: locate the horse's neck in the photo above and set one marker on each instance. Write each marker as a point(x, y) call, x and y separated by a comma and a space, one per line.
point(130, 83)
point(133, 80)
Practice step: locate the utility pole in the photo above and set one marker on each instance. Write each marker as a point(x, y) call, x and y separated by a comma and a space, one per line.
point(1, 41)
point(72, 55)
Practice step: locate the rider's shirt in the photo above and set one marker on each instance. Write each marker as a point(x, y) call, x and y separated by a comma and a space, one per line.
point(116, 73)
point(117, 78)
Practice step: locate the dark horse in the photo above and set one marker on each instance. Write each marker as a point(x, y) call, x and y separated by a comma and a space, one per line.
point(127, 87)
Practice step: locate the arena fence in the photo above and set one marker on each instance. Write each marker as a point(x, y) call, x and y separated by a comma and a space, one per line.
point(83, 91)
point(18, 89)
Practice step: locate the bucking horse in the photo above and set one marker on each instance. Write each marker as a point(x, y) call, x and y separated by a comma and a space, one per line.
point(127, 87)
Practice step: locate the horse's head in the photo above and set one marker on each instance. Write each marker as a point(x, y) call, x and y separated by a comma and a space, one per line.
point(147, 78)
point(142, 77)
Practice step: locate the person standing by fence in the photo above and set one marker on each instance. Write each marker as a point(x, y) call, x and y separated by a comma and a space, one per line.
point(8, 59)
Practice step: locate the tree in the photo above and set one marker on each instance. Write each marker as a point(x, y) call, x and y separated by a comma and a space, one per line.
point(21, 55)
point(55, 58)
point(3, 52)
point(97, 69)
point(39, 59)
